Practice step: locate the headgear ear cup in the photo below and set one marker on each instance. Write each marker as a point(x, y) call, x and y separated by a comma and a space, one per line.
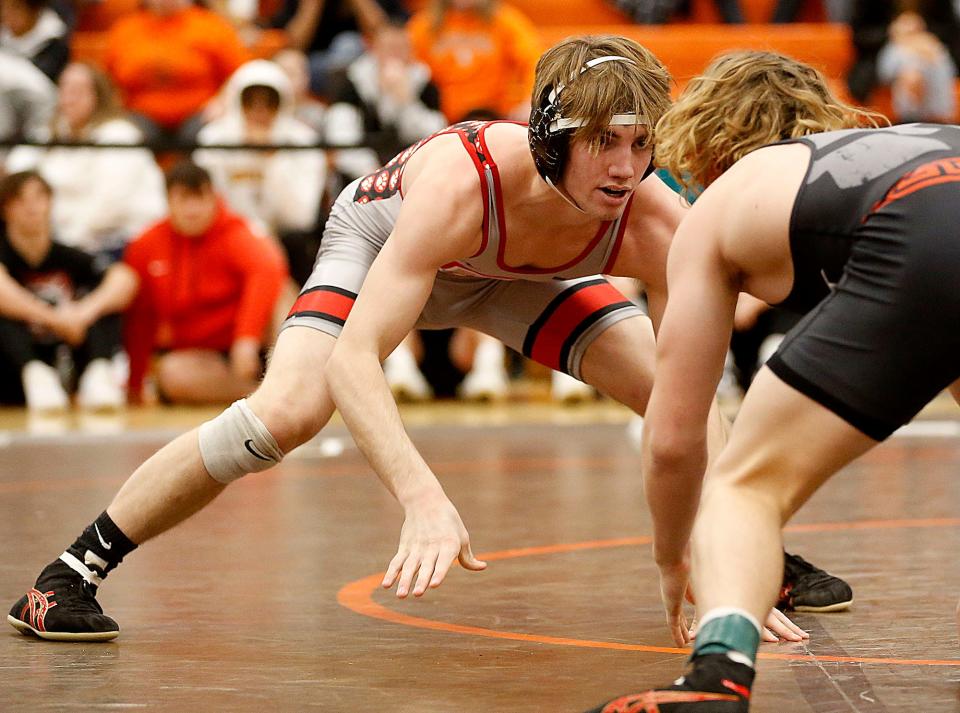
point(548, 149)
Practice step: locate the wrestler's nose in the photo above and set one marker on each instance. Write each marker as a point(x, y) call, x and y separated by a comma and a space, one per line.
point(623, 165)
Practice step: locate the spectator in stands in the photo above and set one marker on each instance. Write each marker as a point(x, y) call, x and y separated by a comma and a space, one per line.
point(277, 191)
point(385, 100)
point(481, 55)
point(208, 291)
point(104, 196)
point(27, 99)
point(659, 12)
point(835, 10)
point(306, 107)
point(169, 59)
point(54, 300)
point(330, 32)
point(912, 46)
point(34, 31)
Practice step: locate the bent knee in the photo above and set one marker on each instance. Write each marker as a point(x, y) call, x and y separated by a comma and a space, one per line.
point(292, 416)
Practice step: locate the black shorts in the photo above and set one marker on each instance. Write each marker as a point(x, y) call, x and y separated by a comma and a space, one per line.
point(886, 340)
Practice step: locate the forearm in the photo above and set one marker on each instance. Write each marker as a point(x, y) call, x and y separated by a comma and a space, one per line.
point(18, 303)
point(672, 486)
point(113, 294)
point(361, 393)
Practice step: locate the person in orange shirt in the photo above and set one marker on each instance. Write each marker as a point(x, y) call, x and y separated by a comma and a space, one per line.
point(482, 55)
point(208, 288)
point(169, 59)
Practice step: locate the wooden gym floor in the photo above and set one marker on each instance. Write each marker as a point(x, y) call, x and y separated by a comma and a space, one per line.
point(268, 599)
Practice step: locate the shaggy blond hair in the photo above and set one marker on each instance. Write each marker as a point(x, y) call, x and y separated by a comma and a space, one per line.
point(641, 86)
point(745, 100)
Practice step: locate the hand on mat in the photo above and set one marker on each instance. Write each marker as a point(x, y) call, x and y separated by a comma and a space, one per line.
point(779, 627)
point(432, 537)
point(674, 588)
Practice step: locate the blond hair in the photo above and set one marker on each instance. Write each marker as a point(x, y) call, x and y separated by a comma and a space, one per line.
point(742, 101)
point(640, 86)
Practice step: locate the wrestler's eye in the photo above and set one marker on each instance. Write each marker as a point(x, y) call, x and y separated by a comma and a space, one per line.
point(641, 143)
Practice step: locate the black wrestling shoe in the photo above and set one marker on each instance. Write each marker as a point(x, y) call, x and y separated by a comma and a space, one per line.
point(714, 683)
point(62, 606)
point(808, 588)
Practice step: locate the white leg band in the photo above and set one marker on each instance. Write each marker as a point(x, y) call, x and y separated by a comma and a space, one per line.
point(236, 443)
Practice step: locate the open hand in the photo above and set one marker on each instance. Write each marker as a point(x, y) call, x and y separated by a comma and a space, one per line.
point(432, 538)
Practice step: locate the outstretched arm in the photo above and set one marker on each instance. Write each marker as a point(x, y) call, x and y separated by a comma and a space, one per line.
point(428, 234)
point(691, 344)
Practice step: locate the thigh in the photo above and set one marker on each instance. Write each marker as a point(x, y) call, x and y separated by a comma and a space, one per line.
point(784, 444)
point(293, 399)
point(552, 322)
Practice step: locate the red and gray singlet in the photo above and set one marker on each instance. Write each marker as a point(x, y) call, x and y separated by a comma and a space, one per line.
point(551, 315)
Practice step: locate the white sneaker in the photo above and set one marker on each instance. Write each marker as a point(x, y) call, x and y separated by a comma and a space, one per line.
point(487, 380)
point(485, 384)
point(42, 388)
point(729, 387)
point(98, 389)
point(635, 430)
point(567, 390)
point(404, 376)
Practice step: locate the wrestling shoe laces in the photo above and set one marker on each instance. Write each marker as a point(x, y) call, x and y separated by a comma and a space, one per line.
point(808, 588)
point(62, 606)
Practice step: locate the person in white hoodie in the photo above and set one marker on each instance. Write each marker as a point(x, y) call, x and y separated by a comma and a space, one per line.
point(104, 196)
point(27, 98)
point(33, 30)
point(278, 191)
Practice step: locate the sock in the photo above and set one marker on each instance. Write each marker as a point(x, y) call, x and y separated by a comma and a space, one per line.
point(728, 630)
point(101, 547)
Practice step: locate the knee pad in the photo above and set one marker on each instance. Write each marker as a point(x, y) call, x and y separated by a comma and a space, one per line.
point(236, 443)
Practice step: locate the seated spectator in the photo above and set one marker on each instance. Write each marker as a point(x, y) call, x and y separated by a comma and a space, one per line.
point(836, 10)
point(169, 59)
point(660, 12)
point(104, 196)
point(34, 31)
point(278, 191)
point(920, 72)
point(208, 291)
point(385, 100)
point(27, 99)
point(306, 107)
point(481, 55)
point(55, 301)
point(916, 63)
point(330, 32)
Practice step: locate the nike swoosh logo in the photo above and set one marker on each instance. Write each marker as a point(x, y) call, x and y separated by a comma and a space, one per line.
point(106, 545)
point(248, 444)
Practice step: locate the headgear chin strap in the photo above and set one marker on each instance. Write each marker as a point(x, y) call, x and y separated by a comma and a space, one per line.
point(549, 132)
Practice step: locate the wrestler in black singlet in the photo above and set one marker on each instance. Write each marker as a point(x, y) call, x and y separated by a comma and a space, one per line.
point(875, 241)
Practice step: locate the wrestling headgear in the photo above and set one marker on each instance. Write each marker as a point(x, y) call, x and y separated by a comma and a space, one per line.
point(549, 132)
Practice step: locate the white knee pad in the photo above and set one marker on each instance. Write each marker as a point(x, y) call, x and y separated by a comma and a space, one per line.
point(236, 443)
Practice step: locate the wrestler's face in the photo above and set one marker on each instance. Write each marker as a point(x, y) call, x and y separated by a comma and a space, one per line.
point(601, 183)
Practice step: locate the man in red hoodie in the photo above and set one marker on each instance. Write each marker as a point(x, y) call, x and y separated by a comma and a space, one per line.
point(208, 290)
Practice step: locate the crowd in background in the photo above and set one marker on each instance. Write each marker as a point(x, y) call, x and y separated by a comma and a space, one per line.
point(160, 265)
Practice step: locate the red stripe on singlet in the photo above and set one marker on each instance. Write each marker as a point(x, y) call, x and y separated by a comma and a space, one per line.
point(944, 170)
point(568, 315)
point(325, 301)
point(472, 152)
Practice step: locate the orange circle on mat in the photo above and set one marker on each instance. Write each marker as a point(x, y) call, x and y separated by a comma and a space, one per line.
point(358, 597)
